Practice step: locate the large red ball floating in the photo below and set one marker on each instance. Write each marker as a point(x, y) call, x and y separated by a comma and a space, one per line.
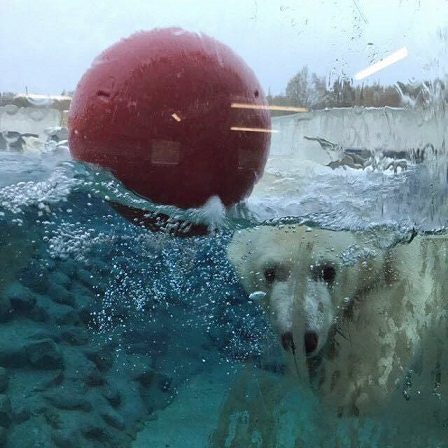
point(176, 116)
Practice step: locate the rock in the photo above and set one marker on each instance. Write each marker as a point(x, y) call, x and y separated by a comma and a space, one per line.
point(34, 276)
point(113, 419)
point(65, 438)
point(71, 401)
point(83, 297)
point(5, 411)
point(68, 267)
point(15, 248)
point(50, 381)
point(92, 376)
point(81, 370)
point(112, 395)
point(43, 333)
point(50, 265)
point(87, 279)
point(146, 379)
point(20, 414)
point(45, 354)
point(139, 365)
point(5, 309)
point(156, 390)
point(95, 431)
point(102, 358)
point(47, 310)
point(22, 300)
point(61, 295)
point(39, 314)
point(12, 355)
point(66, 316)
point(35, 432)
point(75, 336)
point(4, 379)
point(3, 436)
point(61, 279)
point(149, 378)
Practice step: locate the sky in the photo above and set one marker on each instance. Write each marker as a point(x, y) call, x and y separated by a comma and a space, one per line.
point(47, 45)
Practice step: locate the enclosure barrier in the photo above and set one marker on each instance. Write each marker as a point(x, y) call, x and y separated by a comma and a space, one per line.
point(311, 135)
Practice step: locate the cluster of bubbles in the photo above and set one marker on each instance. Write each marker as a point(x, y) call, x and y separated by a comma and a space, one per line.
point(15, 198)
point(152, 287)
point(68, 240)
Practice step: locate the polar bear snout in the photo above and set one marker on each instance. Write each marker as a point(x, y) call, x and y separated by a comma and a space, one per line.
point(310, 342)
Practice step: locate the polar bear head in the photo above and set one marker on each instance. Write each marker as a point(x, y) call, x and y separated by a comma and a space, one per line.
point(351, 309)
point(306, 278)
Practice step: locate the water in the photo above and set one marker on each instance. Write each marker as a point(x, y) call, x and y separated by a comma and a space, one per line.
point(107, 325)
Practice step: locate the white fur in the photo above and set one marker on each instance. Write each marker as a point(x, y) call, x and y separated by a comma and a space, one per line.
point(382, 314)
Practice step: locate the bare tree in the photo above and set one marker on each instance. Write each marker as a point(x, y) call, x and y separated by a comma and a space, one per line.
point(300, 89)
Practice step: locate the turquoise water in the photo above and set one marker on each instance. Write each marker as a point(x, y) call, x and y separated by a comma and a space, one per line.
point(103, 321)
point(115, 336)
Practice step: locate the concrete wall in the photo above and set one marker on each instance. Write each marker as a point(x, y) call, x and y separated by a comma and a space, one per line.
point(376, 129)
point(30, 120)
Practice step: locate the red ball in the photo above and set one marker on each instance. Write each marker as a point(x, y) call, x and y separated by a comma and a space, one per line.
point(162, 110)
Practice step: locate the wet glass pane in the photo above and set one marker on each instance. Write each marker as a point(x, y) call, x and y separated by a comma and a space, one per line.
point(223, 224)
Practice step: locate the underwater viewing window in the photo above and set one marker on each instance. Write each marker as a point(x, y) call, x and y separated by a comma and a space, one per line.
point(224, 224)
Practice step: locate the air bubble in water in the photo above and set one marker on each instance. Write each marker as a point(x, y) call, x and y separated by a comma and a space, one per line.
point(257, 295)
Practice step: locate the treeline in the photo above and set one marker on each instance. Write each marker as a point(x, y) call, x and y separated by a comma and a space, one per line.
point(311, 91)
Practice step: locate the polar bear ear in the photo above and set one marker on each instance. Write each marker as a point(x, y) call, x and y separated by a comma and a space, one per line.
point(240, 252)
point(387, 239)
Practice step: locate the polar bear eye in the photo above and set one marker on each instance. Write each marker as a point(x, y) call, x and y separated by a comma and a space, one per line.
point(328, 273)
point(325, 272)
point(276, 273)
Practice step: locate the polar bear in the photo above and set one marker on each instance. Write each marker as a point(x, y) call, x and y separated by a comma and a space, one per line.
point(358, 321)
